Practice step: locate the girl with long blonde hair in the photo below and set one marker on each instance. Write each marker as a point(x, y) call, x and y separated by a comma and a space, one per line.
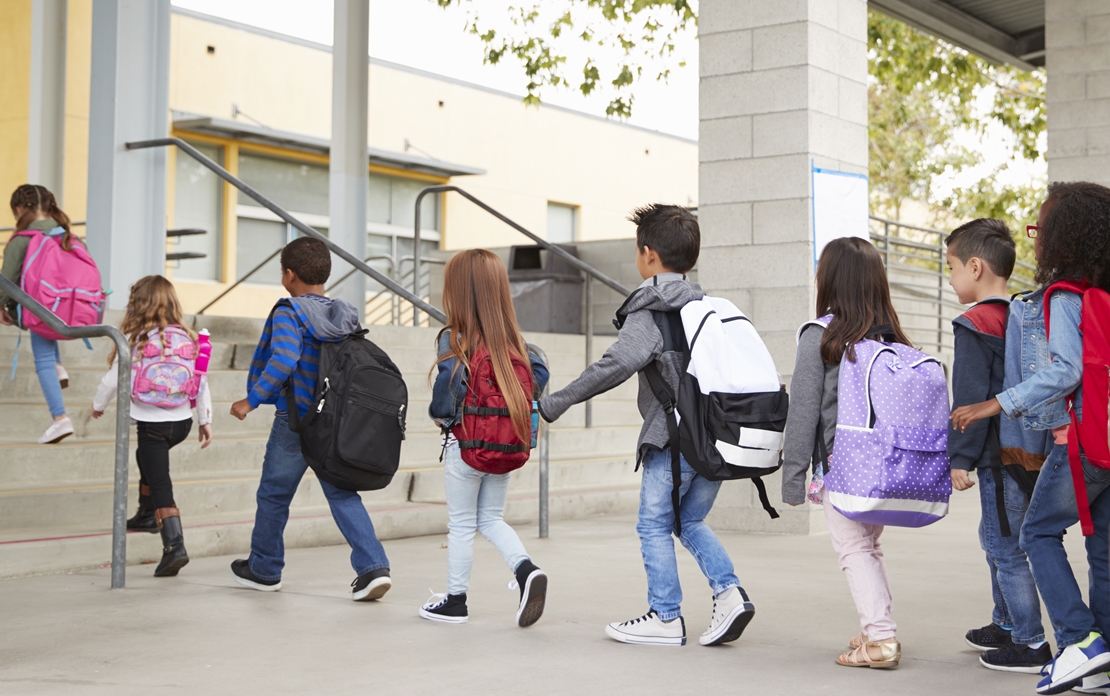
point(481, 318)
point(155, 328)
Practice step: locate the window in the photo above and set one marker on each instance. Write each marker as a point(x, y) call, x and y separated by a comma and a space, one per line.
point(295, 186)
point(561, 227)
point(197, 204)
point(392, 201)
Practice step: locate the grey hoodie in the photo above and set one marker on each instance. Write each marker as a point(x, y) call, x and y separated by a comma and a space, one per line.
point(638, 344)
point(327, 319)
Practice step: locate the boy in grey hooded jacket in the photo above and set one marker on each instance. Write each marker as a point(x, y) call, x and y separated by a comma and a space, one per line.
point(668, 241)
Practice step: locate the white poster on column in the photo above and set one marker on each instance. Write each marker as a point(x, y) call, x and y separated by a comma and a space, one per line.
point(840, 207)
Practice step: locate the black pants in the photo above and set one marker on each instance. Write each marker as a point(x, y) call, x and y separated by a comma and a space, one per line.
point(153, 453)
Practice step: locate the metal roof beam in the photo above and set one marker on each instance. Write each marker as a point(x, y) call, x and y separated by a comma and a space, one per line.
point(960, 28)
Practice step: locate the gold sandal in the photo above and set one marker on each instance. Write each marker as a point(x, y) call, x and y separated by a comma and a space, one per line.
point(858, 640)
point(890, 651)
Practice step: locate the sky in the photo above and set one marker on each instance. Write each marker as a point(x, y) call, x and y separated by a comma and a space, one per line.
point(419, 34)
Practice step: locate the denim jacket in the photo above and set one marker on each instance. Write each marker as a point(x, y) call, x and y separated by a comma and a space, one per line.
point(449, 389)
point(1049, 370)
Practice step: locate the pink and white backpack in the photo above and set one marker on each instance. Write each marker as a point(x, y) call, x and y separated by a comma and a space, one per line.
point(169, 369)
point(65, 282)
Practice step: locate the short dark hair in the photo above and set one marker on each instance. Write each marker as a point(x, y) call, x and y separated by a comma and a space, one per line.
point(309, 258)
point(987, 239)
point(670, 231)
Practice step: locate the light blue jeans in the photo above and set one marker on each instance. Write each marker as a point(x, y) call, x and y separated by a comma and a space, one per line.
point(46, 358)
point(475, 502)
point(656, 525)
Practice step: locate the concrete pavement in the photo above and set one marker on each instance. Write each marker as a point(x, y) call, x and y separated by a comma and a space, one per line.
point(203, 634)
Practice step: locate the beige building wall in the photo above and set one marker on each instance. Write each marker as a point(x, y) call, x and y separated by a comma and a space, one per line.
point(15, 85)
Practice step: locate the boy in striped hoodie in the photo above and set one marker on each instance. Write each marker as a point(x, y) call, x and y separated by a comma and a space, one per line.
point(289, 349)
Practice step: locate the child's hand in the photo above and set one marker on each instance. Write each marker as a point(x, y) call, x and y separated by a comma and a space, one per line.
point(97, 414)
point(205, 437)
point(241, 408)
point(960, 480)
point(973, 413)
point(5, 318)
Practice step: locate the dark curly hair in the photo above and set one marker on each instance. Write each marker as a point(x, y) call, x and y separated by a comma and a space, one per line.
point(1075, 234)
point(309, 258)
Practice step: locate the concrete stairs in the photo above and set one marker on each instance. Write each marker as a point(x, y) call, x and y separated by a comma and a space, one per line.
point(56, 500)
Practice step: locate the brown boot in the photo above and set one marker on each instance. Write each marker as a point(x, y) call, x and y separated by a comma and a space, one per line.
point(174, 556)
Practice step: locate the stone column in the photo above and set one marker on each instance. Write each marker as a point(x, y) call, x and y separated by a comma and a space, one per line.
point(129, 101)
point(783, 86)
point(349, 163)
point(46, 130)
point(1077, 57)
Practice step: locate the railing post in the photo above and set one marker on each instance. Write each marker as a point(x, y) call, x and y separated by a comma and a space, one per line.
point(545, 508)
point(123, 433)
point(589, 342)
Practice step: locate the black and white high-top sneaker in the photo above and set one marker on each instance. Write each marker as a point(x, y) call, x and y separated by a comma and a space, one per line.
point(649, 629)
point(371, 586)
point(533, 593)
point(447, 608)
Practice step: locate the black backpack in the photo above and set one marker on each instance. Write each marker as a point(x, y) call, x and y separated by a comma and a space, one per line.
point(352, 433)
point(723, 434)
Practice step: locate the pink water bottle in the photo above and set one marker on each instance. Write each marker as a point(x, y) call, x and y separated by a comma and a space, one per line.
point(204, 353)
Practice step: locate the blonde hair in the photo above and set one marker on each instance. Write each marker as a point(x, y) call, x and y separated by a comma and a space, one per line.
point(153, 304)
point(480, 312)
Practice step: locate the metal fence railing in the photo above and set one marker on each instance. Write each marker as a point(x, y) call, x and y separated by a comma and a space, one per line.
point(123, 414)
point(915, 262)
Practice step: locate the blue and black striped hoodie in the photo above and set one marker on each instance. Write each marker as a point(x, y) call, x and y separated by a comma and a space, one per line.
point(290, 347)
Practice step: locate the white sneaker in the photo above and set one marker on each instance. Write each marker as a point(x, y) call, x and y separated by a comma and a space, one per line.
point(58, 431)
point(1094, 684)
point(63, 376)
point(731, 613)
point(649, 630)
point(1073, 663)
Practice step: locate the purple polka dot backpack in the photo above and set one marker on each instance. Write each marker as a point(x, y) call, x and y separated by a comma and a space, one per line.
point(889, 464)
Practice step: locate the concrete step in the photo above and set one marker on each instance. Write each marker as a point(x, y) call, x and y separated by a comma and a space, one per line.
point(70, 463)
point(39, 551)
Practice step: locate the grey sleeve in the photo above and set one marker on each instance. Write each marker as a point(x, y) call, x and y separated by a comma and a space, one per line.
point(638, 343)
point(807, 387)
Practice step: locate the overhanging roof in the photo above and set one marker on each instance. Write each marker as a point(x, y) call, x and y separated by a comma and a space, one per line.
point(212, 125)
point(1001, 31)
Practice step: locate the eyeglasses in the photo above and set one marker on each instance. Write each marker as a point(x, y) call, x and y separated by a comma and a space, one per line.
point(1031, 230)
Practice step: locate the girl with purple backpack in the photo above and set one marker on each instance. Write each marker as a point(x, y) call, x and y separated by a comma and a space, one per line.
point(169, 363)
point(852, 288)
point(36, 212)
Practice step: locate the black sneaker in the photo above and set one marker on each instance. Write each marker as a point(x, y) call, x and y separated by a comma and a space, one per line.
point(372, 585)
point(246, 578)
point(533, 593)
point(1017, 658)
point(445, 608)
point(990, 637)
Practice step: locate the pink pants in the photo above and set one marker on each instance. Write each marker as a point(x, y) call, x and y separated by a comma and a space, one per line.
point(861, 559)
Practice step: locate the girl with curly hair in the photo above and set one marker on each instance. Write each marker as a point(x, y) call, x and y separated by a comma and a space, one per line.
point(1072, 243)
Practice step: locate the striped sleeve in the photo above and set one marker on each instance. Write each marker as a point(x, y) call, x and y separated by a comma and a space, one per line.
point(286, 344)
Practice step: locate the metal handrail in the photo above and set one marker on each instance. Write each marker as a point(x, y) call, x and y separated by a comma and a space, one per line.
point(242, 280)
point(123, 414)
point(79, 223)
point(289, 219)
point(586, 268)
point(368, 259)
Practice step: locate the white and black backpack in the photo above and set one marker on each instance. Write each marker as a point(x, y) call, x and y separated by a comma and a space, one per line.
point(730, 413)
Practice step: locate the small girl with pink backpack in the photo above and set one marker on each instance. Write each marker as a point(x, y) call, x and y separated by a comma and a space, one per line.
point(169, 364)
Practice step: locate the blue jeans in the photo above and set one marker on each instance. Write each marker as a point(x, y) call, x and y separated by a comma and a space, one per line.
point(657, 523)
point(46, 358)
point(475, 502)
point(1052, 510)
point(1016, 603)
point(282, 470)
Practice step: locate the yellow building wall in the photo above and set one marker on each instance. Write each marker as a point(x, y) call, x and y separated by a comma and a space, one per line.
point(76, 154)
point(15, 106)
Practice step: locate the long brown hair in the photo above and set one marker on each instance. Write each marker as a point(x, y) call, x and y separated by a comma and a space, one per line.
point(33, 200)
point(480, 312)
point(153, 304)
point(852, 286)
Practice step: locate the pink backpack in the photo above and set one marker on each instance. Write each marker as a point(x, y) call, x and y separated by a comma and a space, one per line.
point(167, 371)
point(65, 282)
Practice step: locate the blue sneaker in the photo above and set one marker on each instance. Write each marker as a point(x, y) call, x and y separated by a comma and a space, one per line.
point(1073, 663)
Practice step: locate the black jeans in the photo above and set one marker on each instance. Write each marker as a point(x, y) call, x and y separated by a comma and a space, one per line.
point(153, 453)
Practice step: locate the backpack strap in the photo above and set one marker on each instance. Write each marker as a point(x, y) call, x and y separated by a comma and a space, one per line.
point(666, 397)
point(1070, 286)
point(1075, 461)
point(994, 442)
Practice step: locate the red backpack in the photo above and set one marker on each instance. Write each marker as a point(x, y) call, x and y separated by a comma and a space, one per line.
point(486, 438)
point(1092, 434)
